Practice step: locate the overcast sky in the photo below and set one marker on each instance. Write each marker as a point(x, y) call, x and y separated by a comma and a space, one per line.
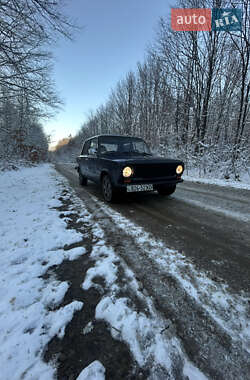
point(114, 38)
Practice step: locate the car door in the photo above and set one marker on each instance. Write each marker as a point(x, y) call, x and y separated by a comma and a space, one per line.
point(92, 159)
point(84, 159)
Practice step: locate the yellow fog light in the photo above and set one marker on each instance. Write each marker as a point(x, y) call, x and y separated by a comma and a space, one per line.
point(179, 169)
point(127, 172)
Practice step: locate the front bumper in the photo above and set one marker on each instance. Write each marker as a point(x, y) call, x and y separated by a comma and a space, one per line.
point(160, 181)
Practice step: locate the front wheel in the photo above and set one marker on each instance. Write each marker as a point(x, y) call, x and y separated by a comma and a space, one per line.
point(107, 189)
point(82, 180)
point(166, 190)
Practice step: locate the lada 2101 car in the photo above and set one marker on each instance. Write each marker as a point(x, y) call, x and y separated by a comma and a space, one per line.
point(125, 164)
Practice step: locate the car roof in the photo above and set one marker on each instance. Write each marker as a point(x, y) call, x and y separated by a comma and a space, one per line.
point(116, 136)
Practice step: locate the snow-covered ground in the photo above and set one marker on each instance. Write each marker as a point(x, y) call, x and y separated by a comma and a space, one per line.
point(32, 240)
point(193, 175)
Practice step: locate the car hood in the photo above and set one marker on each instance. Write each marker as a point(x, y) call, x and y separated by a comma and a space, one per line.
point(145, 159)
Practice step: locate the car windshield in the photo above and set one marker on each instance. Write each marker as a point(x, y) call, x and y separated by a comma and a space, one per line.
point(123, 146)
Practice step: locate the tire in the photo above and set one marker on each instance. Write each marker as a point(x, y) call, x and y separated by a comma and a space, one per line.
point(108, 191)
point(166, 190)
point(83, 181)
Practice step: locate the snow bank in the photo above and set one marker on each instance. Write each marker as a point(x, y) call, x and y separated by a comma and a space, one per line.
point(32, 239)
point(193, 177)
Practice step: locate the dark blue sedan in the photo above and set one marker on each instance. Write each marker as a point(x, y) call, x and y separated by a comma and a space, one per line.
point(124, 164)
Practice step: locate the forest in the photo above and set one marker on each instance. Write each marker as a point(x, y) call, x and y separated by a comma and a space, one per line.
point(28, 29)
point(188, 99)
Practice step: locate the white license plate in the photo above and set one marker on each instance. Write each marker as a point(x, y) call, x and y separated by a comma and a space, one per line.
point(132, 188)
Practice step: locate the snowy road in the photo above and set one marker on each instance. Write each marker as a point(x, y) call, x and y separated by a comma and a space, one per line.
point(234, 203)
point(149, 288)
point(209, 224)
point(200, 287)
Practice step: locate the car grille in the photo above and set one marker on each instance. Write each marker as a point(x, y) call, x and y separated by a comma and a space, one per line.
point(154, 170)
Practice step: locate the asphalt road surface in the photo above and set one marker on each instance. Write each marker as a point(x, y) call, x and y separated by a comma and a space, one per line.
point(210, 226)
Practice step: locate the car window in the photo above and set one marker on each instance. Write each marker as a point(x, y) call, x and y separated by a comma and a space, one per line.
point(140, 146)
point(107, 148)
point(85, 148)
point(93, 147)
point(117, 145)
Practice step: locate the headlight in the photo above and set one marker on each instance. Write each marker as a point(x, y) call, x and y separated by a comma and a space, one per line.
point(127, 172)
point(179, 169)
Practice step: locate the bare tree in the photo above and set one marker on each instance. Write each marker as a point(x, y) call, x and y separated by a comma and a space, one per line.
point(27, 30)
point(241, 42)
